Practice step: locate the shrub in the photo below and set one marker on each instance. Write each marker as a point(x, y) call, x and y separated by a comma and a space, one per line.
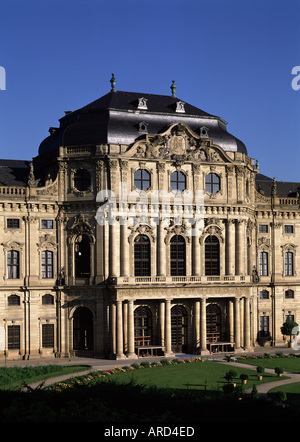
point(260, 369)
point(280, 396)
point(230, 375)
point(243, 377)
point(278, 370)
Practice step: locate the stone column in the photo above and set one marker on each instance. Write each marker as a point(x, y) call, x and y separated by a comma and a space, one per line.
point(119, 334)
point(237, 324)
point(230, 247)
point(124, 252)
point(112, 326)
point(131, 352)
point(114, 250)
point(162, 323)
point(203, 344)
point(196, 255)
point(168, 342)
point(161, 249)
point(231, 320)
point(197, 325)
point(241, 246)
point(247, 333)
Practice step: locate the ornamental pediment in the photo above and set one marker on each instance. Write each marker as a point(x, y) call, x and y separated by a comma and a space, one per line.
point(178, 143)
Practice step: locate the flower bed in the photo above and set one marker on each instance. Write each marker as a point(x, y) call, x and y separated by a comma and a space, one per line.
point(268, 356)
point(83, 380)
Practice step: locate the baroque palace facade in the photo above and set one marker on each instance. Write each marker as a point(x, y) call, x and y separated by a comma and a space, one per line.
point(76, 283)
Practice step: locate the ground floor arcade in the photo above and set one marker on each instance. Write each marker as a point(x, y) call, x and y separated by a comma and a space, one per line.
point(129, 322)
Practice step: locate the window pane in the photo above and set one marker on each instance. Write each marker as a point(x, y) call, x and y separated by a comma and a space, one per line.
point(263, 264)
point(47, 264)
point(142, 179)
point(212, 183)
point(212, 256)
point(177, 249)
point(13, 337)
point(12, 264)
point(13, 223)
point(48, 335)
point(142, 256)
point(288, 264)
point(178, 181)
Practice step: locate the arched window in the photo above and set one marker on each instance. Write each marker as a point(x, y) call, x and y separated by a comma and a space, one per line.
point(212, 183)
point(82, 257)
point(263, 264)
point(142, 179)
point(178, 256)
point(82, 179)
point(13, 264)
point(212, 256)
point(178, 181)
point(288, 264)
point(142, 256)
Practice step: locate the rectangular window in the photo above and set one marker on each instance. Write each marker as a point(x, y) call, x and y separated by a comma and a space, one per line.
point(12, 264)
point(48, 335)
point(288, 264)
point(263, 264)
point(289, 294)
point(288, 229)
point(264, 294)
point(13, 337)
point(13, 223)
point(263, 228)
point(47, 264)
point(289, 318)
point(264, 327)
point(47, 224)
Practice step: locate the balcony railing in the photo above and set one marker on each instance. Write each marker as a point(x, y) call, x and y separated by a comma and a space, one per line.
point(120, 280)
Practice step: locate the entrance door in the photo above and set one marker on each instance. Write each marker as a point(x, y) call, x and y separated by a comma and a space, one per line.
point(142, 325)
point(83, 331)
point(213, 323)
point(179, 329)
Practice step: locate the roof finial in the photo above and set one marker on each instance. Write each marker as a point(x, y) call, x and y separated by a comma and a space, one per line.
point(173, 88)
point(113, 82)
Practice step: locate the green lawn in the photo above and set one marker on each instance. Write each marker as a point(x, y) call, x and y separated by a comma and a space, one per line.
point(291, 364)
point(206, 375)
point(12, 378)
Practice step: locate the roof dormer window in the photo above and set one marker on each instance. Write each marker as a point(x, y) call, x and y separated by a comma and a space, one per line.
point(142, 103)
point(143, 128)
point(203, 131)
point(180, 106)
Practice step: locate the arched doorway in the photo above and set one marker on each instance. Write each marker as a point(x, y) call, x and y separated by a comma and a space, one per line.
point(83, 332)
point(142, 325)
point(179, 329)
point(213, 323)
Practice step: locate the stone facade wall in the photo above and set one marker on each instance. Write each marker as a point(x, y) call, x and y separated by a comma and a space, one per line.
point(95, 312)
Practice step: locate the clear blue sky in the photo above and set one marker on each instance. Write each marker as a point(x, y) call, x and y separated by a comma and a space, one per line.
point(230, 58)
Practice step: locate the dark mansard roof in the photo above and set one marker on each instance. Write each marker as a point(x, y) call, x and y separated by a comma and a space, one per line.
point(116, 118)
point(14, 172)
point(284, 188)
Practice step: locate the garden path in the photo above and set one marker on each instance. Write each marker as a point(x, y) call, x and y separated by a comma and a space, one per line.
point(262, 389)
